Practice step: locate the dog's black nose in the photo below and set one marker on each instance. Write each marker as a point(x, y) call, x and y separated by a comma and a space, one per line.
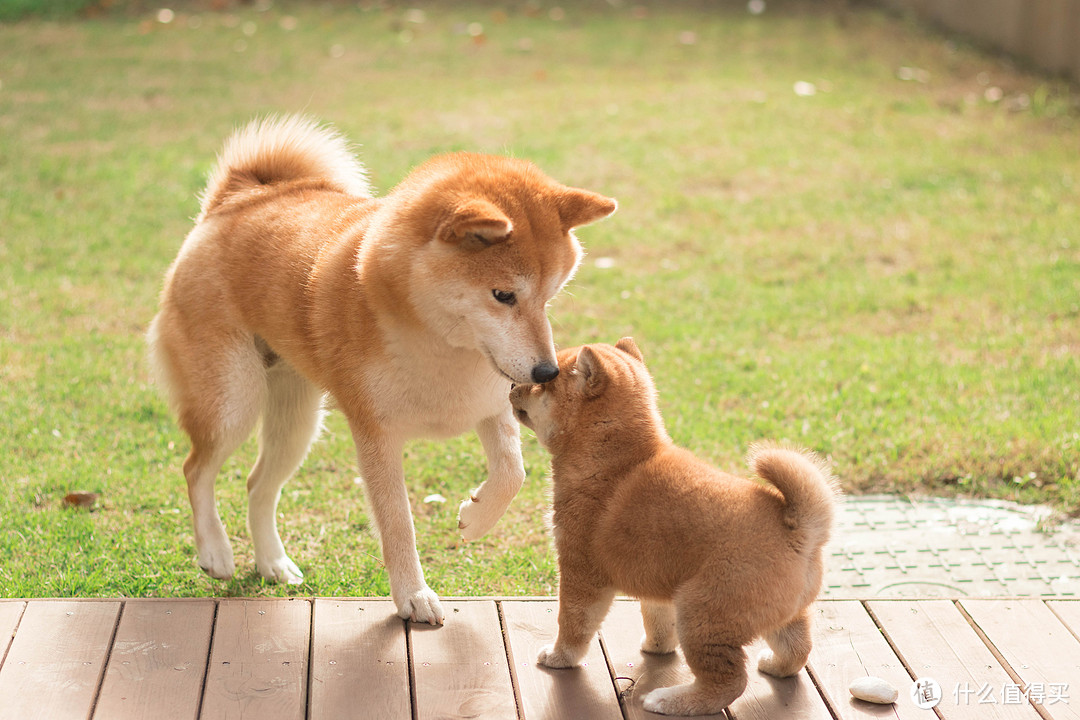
point(544, 372)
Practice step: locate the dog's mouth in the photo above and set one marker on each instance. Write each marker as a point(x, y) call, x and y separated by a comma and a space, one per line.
point(495, 365)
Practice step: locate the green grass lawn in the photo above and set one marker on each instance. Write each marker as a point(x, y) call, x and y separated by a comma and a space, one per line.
point(886, 271)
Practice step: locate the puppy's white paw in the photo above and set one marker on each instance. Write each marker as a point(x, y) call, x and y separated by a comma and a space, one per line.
point(476, 516)
point(552, 658)
point(682, 700)
point(216, 559)
point(658, 701)
point(422, 606)
point(281, 569)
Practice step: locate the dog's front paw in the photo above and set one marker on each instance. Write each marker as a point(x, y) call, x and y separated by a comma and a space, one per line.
point(281, 570)
point(422, 606)
point(551, 657)
point(476, 517)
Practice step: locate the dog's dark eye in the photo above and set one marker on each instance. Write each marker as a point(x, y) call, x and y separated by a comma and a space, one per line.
point(504, 296)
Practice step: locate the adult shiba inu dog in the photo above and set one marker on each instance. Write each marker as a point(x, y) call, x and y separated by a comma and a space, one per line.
point(414, 312)
point(716, 560)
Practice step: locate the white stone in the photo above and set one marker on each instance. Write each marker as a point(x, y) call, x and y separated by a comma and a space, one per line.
point(873, 689)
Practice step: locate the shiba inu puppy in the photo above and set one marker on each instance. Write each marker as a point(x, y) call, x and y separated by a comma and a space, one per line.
point(414, 312)
point(716, 560)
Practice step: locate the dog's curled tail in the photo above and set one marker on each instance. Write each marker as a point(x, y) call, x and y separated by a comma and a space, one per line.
point(810, 491)
point(279, 149)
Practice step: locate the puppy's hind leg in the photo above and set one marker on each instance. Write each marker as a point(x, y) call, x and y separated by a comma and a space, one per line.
point(291, 421)
point(716, 657)
point(789, 648)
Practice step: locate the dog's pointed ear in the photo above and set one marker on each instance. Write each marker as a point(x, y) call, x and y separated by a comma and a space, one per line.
point(628, 346)
point(580, 207)
point(475, 221)
point(589, 372)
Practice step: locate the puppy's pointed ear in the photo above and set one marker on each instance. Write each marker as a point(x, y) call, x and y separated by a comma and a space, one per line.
point(628, 346)
point(477, 222)
point(589, 372)
point(580, 207)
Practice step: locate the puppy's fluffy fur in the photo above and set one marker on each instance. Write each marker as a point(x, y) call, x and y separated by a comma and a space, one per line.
point(716, 560)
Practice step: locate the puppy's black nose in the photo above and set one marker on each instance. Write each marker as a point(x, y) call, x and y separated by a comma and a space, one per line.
point(544, 372)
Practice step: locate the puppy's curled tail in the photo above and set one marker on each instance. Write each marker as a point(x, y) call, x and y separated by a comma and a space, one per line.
point(810, 491)
point(279, 149)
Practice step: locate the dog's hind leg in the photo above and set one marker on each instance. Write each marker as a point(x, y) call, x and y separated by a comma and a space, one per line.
point(218, 409)
point(291, 421)
point(501, 439)
point(715, 655)
point(789, 648)
point(659, 619)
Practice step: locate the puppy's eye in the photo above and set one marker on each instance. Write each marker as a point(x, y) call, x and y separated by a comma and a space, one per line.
point(504, 296)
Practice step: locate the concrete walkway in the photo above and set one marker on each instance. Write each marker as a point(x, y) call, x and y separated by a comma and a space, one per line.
point(890, 546)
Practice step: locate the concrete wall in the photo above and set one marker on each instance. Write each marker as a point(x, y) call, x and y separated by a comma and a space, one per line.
point(1044, 32)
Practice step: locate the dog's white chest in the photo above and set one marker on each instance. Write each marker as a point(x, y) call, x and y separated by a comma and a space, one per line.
point(437, 399)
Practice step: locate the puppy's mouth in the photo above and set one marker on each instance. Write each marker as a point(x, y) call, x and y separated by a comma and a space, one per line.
point(522, 417)
point(516, 396)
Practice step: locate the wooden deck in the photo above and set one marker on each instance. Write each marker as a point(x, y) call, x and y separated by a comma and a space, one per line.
point(320, 659)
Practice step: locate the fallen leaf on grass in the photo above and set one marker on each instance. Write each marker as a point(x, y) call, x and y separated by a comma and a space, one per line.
point(80, 499)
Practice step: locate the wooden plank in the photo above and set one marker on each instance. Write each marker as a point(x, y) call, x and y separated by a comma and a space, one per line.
point(258, 664)
point(848, 645)
point(1068, 611)
point(936, 641)
point(158, 660)
point(55, 662)
point(359, 663)
point(581, 692)
point(1040, 652)
point(10, 613)
point(459, 669)
point(637, 673)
